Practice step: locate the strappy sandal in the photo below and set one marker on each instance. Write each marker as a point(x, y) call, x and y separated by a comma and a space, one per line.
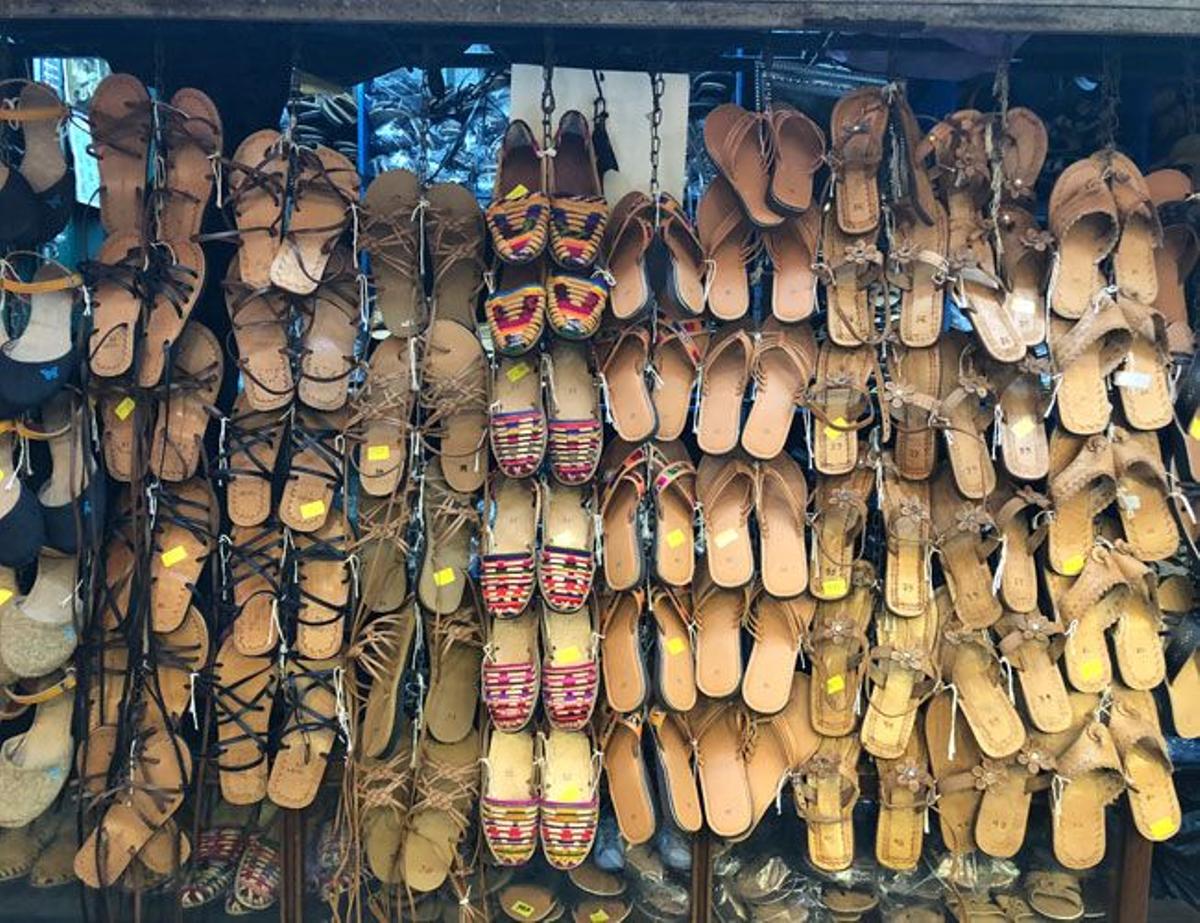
point(965, 411)
point(179, 657)
point(258, 179)
point(117, 434)
point(331, 320)
point(194, 138)
point(907, 520)
point(778, 745)
point(676, 776)
point(739, 143)
point(1095, 778)
point(174, 278)
point(780, 502)
point(316, 467)
point(1143, 490)
point(624, 361)
point(849, 265)
point(856, 135)
point(626, 683)
point(517, 422)
point(255, 886)
point(675, 678)
point(1084, 354)
point(1082, 483)
point(392, 234)
point(678, 356)
point(826, 790)
point(512, 671)
point(454, 402)
point(455, 232)
point(627, 238)
point(451, 526)
point(456, 643)
point(260, 319)
point(628, 781)
point(906, 793)
point(120, 119)
point(719, 614)
point(965, 537)
point(382, 418)
point(956, 762)
point(725, 372)
point(839, 528)
point(1147, 765)
point(511, 514)
point(1025, 260)
point(508, 806)
point(918, 264)
point(674, 493)
point(325, 578)
point(447, 785)
point(567, 558)
point(798, 145)
point(1021, 535)
point(310, 690)
point(841, 405)
point(780, 629)
point(679, 264)
point(519, 216)
point(570, 667)
point(782, 365)
point(911, 399)
point(970, 662)
point(570, 801)
point(1033, 644)
point(249, 453)
point(383, 650)
point(184, 414)
point(727, 487)
point(575, 433)
point(837, 645)
point(730, 247)
point(793, 250)
point(719, 732)
point(117, 279)
point(623, 480)
point(185, 533)
point(1054, 895)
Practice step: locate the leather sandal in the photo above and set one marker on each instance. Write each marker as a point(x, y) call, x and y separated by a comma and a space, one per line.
point(1085, 221)
point(778, 745)
point(627, 239)
point(780, 629)
point(955, 760)
point(578, 212)
point(184, 414)
point(1082, 484)
point(839, 527)
point(782, 366)
point(446, 787)
point(519, 216)
point(678, 267)
point(175, 279)
point(512, 510)
point(626, 682)
point(679, 349)
point(837, 644)
point(970, 662)
point(793, 250)
point(451, 524)
point(740, 144)
point(1141, 233)
point(180, 657)
point(258, 180)
point(906, 793)
point(719, 614)
point(1143, 379)
point(512, 671)
point(249, 453)
point(455, 233)
point(623, 480)
point(454, 401)
point(677, 777)
point(1021, 535)
point(856, 135)
point(849, 266)
point(780, 501)
point(1021, 407)
point(1023, 147)
point(331, 319)
point(919, 266)
point(384, 649)
point(1146, 762)
point(316, 467)
point(242, 688)
point(730, 246)
point(624, 354)
point(456, 644)
point(965, 410)
point(1025, 260)
point(382, 418)
point(675, 678)
point(1084, 353)
point(570, 667)
point(718, 731)
point(1174, 261)
point(965, 536)
point(508, 806)
point(1055, 895)
point(117, 278)
point(727, 488)
point(517, 421)
point(799, 150)
point(260, 319)
point(673, 479)
point(724, 375)
point(185, 533)
point(575, 432)
point(911, 400)
point(1142, 489)
point(628, 781)
point(908, 521)
point(391, 235)
point(567, 558)
point(119, 116)
point(826, 790)
point(1033, 645)
point(1094, 778)
point(326, 582)
point(841, 406)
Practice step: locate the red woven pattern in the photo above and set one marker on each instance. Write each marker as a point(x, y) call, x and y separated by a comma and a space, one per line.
point(568, 830)
point(574, 447)
point(510, 828)
point(575, 304)
point(507, 582)
point(510, 691)
point(518, 441)
point(565, 577)
point(519, 226)
point(516, 318)
point(569, 693)
point(576, 229)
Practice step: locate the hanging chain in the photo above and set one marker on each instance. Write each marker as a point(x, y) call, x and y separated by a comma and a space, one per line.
point(600, 103)
point(1110, 97)
point(1189, 86)
point(997, 131)
point(657, 85)
point(547, 97)
point(768, 60)
point(426, 118)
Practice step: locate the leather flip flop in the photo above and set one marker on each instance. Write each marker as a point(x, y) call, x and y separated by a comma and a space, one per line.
point(841, 405)
point(678, 356)
point(966, 409)
point(911, 399)
point(570, 668)
point(253, 577)
point(249, 455)
point(837, 644)
point(623, 479)
point(856, 135)
point(391, 234)
point(517, 421)
point(260, 319)
point(627, 238)
point(451, 524)
point(1085, 222)
point(677, 777)
point(626, 684)
point(673, 489)
point(780, 628)
point(799, 147)
point(624, 362)
point(782, 365)
point(382, 417)
point(954, 757)
point(971, 663)
point(575, 433)
point(1023, 147)
point(675, 678)
point(1174, 261)
point(1025, 260)
point(116, 279)
point(780, 744)
point(717, 729)
point(177, 274)
point(793, 250)
point(1146, 762)
point(724, 375)
point(850, 265)
point(508, 808)
point(1095, 778)
point(628, 781)
point(839, 523)
point(719, 614)
point(1021, 535)
point(918, 265)
point(1033, 645)
point(120, 120)
point(965, 538)
point(324, 575)
point(907, 586)
point(183, 415)
point(512, 509)
point(456, 639)
point(736, 142)
point(258, 178)
point(323, 202)
point(512, 671)
point(311, 691)
point(906, 793)
point(316, 466)
point(726, 488)
point(185, 533)
point(730, 246)
point(781, 503)
point(194, 139)
point(567, 560)
point(826, 790)
point(1141, 234)
point(570, 802)
point(455, 232)
point(519, 216)
point(1084, 354)
point(454, 400)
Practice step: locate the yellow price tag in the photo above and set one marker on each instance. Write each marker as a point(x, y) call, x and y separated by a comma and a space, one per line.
point(124, 409)
point(312, 509)
point(832, 431)
point(1072, 565)
point(834, 586)
point(379, 452)
point(598, 917)
point(1023, 427)
point(1091, 670)
point(570, 792)
point(675, 538)
point(676, 646)
point(443, 577)
point(521, 909)
point(1162, 829)
point(728, 537)
point(517, 372)
point(1194, 426)
point(5, 595)
point(173, 556)
point(835, 684)
point(568, 656)
point(517, 191)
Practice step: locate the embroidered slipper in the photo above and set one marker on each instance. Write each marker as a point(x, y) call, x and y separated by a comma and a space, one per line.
point(918, 265)
point(908, 583)
point(971, 663)
point(781, 501)
point(678, 356)
point(955, 759)
point(508, 808)
point(1146, 763)
point(120, 120)
point(392, 235)
point(965, 538)
point(1143, 491)
point(570, 802)
point(856, 132)
point(258, 180)
point(519, 216)
point(249, 454)
point(516, 308)
point(676, 775)
point(623, 479)
point(1177, 257)
point(906, 793)
point(1025, 261)
point(1095, 778)
point(841, 405)
point(793, 250)
point(799, 150)
point(902, 672)
point(1022, 405)
point(1084, 353)
point(175, 283)
point(74, 498)
point(117, 280)
point(455, 232)
point(452, 523)
point(384, 650)
point(570, 667)
point(730, 247)
point(1021, 535)
point(673, 490)
point(512, 509)
point(34, 765)
point(578, 212)
point(965, 410)
point(782, 365)
point(517, 421)
point(243, 688)
point(575, 433)
point(512, 671)
point(382, 418)
point(850, 264)
point(1033, 645)
point(253, 560)
point(456, 640)
point(779, 628)
point(779, 744)
point(315, 468)
point(311, 690)
point(454, 400)
point(567, 559)
point(718, 732)
point(324, 202)
point(325, 578)
point(185, 534)
point(1141, 233)
point(256, 885)
point(624, 364)
point(838, 529)
point(41, 115)
point(911, 400)
point(36, 365)
point(1055, 895)
point(724, 374)
point(628, 780)
point(214, 866)
point(194, 138)
point(837, 644)
point(727, 487)
point(184, 414)
point(738, 143)
point(627, 239)
point(675, 677)
point(719, 614)
point(826, 790)
point(626, 684)
point(1085, 222)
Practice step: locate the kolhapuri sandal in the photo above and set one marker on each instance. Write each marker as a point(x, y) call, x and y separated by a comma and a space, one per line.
point(1085, 221)
point(719, 730)
point(570, 800)
point(964, 413)
point(570, 667)
point(902, 672)
point(395, 213)
point(1084, 354)
point(508, 805)
point(325, 576)
point(316, 467)
point(324, 203)
point(965, 537)
point(575, 432)
point(780, 628)
point(798, 145)
point(841, 406)
point(512, 671)
point(252, 563)
point(194, 139)
point(1092, 603)
point(679, 349)
point(848, 267)
point(311, 691)
point(837, 645)
point(1133, 262)
point(730, 247)
point(260, 318)
point(116, 278)
point(519, 216)
point(258, 180)
point(907, 520)
point(672, 487)
point(512, 510)
point(175, 279)
point(1091, 778)
point(918, 264)
point(383, 650)
point(826, 790)
point(911, 399)
point(677, 779)
point(1143, 495)
point(1026, 253)
point(740, 144)
point(456, 646)
point(1177, 257)
point(839, 527)
point(956, 763)
point(793, 250)
point(517, 420)
point(331, 320)
point(782, 365)
point(451, 525)
point(34, 764)
point(629, 786)
point(1034, 644)
point(382, 418)
point(1021, 535)
point(516, 307)
point(724, 374)
point(183, 415)
point(249, 454)
point(1082, 484)
point(906, 793)
point(1133, 723)
point(624, 356)
point(454, 401)
point(856, 135)
point(578, 212)
point(626, 682)
point(447, 786)
point(567, 558)
point(718, 614)
point(185, 533)
point(455, 234)
point(120, 120)
point(971, 664)
point(675, 676)
point(1008, 786)
point(727, 487)
point(1021, 407)
point(623, 484)
point(1143, 380)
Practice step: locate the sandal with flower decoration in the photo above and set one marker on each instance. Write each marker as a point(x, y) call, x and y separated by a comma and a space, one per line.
point(446, 788)
point(910, 398)
point(678, 355)
point(965, 536)
point(626, 683)
point(381, 417)
point(570, 798)
point(906, 793)
point(1033, 645)
point(456, 656)
point(629, 785)
point(971, 663)
point(841, 405)
point(391, 235)
point(452, 523)
point(508, 808)
point(907, 587)
point(1021, 535)
point(575, 433)
point(1007, 787)
point(1021, 407)
point(517, 421)
point(1025, 258)
point(623, 480)
point(955, 760)
point(826, 790)
point(917, 264)
point(567, 559)
point(570, 668)
point(519, 216)
point(512, 670)
point(965, 410)
point(515, 307)
point(837, 643)
point(839, 527)
point(849, 266)
point(507, 580)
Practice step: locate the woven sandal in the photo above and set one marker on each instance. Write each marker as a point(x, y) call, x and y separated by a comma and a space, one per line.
point(575, 302)
point(382, 418)
point(730, 247)
point(311, 690)
point(214, 865)
point(517, 420)
point(674, 494)
point(570, 667)
point(570, 799)
point(906, 793)
point(184, 414)
point(512, 671)
point(826, 790)
point(727, 488)
point(383, 650)
point(567, 560)
point(37, 631)
point(455, 233)
point(384, 789)
point(508, 807)
point(623, 480)
point(508, 557)
point(839, 524)
point(779, 628)
point(849, 266)
point(175, 282)
point(331, 318)
point(575, 433)
point(578, 212)
point(856, 134)
point(456, 645)
point(837, 644)
point(516, 308)
point(120, 119)
point(392, 235)
point(258, 179)
point(316, 467)
point(451, 526)
point(626, 681)
point(454, 402)
point(35, 764)
point(256, 885)
point(629, 785)
point(519, 216)
point(679, 350)
point(243, 688)
point(965, 536)
point(719, 614)
point(260, 319)
point(325, 580)
point(185, 533)
point(842, 406)
point(249, 455)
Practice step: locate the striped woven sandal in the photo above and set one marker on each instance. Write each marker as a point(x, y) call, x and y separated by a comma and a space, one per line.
point(509, 539)
point(575, 302)
point(508, 811)
point(516, 308)
point(567, 562)
point(512, 675)
point(570, 802)
point(519, 216)
point(570, 671)
point(518, 421)
point(214, 865)
point(256, 887)
point(578, 212)
point(575, 429)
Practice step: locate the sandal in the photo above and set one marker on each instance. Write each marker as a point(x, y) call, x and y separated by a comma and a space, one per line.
point(575, 302)
point(310, 690)
point(839, 528)
point(34, 764)
point(780, 503)
point(737, 142)
point(391, 235)
point(117, 435)
point(37, 631)
point(384, 650)
point(519, 216)
point(325, 577)
point(75, 482)
point(837, 644)
point(826, 790)
point(578, 212)
point(779, 745)
point(517, 422)
point(117, 278)
point(35, 366)
point(507, 578)
point(626, 683)
point(780, 629)
point(624, 361)
point(1143, 491)
point(730, 246)
point(516, 307)
point(180, 657)
point(628, 781)
point(184, 414)
point(1177, 257)
point(1143, 379)
point(185, 534)
point(1055, 895)
point(120, 120)
point(567, 560)
point(965, 410)
point(331, 320)
point(447, 785)
point(260, 320)
point(1082, 484)
point(911, 400)
point(919, 266)
point(724, 375)
point(678, 266)
point(316, 466)
point(455, 233)
point(1146, 763)
point(1021, 536)
point(782, 365)
point(965, 538)
point(570, 667)
point(678, 356)
point(799, 147)
point(508, 806)
point(512, 671)
point(840, 402)
point(849, 266)
point(719, 614)
point(575, 433)
point(856, 135)
point(906, 793)
point(727, 488)
point(677, 785)
point(1183, 678)
point(627, 239)
point(673, 490)
point(675, 678)
point(214, 866)
point(194, 139)
point(570, 798)
point(453, 399)
point(456, 645)
point(249, 455)
point(1095, 778)
point(1141, 234)
point(1026, 254)
point(908, 569)
point(793, 250)
point(718, 739)
point(175, 283)
point(1033, 645)
point(955, 759)
point(1084, 354)
point(623, 484)
point(971, 664)
point(1021, 407)
point(451, 526)
point(383, 418)
point(258, 179)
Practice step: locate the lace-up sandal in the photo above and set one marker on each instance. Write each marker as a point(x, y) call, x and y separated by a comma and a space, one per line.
point(519, 216)
point(675, 677)
point(856, 133)
point(324, 199)
point(382, 416)
point(718, 614)
point(1082, 483)
point(628, 781)
point(194, 139)
point(509, 807)
point(566, 560)
point(1033, 645)
point(919, 266)
point(451, 526)
point(35, 366)
point(250, 453)
point(906, 793)
point(623, 476)
point(383, 551)
point(570, 668)
point(1084, 354)
point(626, 684)
point(508, 577)
point(258, 178)
point(1141, 234)
point(53, 866)
point(575, 432)
point(673, 489)
point(391, 233)
point(793, 250)
point(1025, 260)
point(678, 356)
point(517, 423)
point(907, 585)
point(902, 672)
point(725, 372)
point(456, 642)
point(184, 414)
point(512, 671)
point(117, 280)
point(454, 400)
point(740, 144)
point(1143, 491)
point(120, 120)
point(180, 657)
point(839, 524)
point(117, 435)
point(965, 538)
point(311, 691)
point(955, 760)
point(911, 399)
point(1176, 258)
point(332, 319)
point(624, 361)
point(841, 405)
point(570, 803)
point(185, 533)
point(971, 663)
point(676, 776)
point(175, 281)
point(965, 411)
point(455, 232)
point(727, 488)
point(578, 212)
point(718, 732)
point(1021, 535)
point(316, 466)
point(1146, 764)
point(730, 246)
point(1095, 778)
point(850, 264)
point(325, 579)
point(783, 364)
point(260, 320)
point(383, 651)
point(826, 790)
point(516, 308)
point(837, 643)
point(780, 628)
point(385, 789)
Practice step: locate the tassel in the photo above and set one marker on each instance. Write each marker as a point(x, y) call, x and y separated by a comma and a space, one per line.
point(606, 158)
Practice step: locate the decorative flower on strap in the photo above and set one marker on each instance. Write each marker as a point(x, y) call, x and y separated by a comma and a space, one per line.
point(837, 630)
point(861, 253)
point(898, 395)
point(904, 252)
point(988, 773)
point(1036, 760)
point(975, 385)
point(1035, 627)
point(1035, 239)
point(910, 658)
point(912, 777)
point(973, 519)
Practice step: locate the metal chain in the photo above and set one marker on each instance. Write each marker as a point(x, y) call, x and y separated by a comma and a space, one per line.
point(547, 98)
point(600, 103)
point(1110, 96)
point(657, 85)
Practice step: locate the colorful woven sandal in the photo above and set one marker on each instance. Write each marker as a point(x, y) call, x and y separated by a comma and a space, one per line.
point(519, 216)
point(575, 302)
point(566, 563)
point(509, 539)
point(571, 670)
point(516, 308)
point(578, 212)
point(509, 808)
point(575, 429)
point(570, 802)
point(512, 671)
point(517, 421)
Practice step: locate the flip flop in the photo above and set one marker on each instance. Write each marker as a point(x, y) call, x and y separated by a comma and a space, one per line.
point(971, 663)
point(1022, 405)
point(628, 781)
point(799, 148)
point(508, 808)
point(677, 785)
point(451, 525)
point(117, 281)
point(1095, 778)
point(856, 135)
point(1146, 763)
point(183, 416)
point(1026, 254)
point(519, 216)
point(575, 433)
point(456, 640)
point(311, 690)
point(912, 402)
point(724, 375)
point(782, 365)
point(838, 531)
point(1016, 578)
point(826, 790)
point(906, 793)
point(627, 239)
point(382, 416)
point(841, 406)
point(726, 487)
point(780, 629)
point(954, 757)
point(258, 180)
point(1174, 261)
point(516, 307)
point(447, 785)
point(249, 456)
point(781, 743)
point(837, 644)
point(623, 484)
point(185, 534)
point(512, 671)
point(455, 232)
point(1143, 491)
point(674, 493)
point(965, 538)
point(850, 265)
point(37, 631)
point(918, 265)
point(719, 614)
point(908, 584)
point(1033, 645)
point(570, 667)
point(324, 575)
point(566, 560)
point(730, 246)
point(626, 684)
point(34, 764)
point(678, 357)
point(717, 729)
point(578, 212)
point(324, 199)
point(316, 464)
point(1084, 353)
point(1141, 234)
point(517, 421)
point(260, 319)
point(966, 409)
point(736, 142)
point(1085, 221)
point(391, 235)
point(176, 282)
point(793, 250)
point(453, 398)
point(120, 120)
point(194, 139)
point(624, 362)
point(675, 678)
point(512, 509)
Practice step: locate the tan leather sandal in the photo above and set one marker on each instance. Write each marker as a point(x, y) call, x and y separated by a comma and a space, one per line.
point(856, 134)
point(837, 646)
point(737, 142)
point(726, 488)
point(782, 365)
point(826, 790)
point(906, 793)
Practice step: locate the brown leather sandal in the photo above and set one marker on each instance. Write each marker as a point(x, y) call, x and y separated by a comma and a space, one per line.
point(856, 133)
point(793, 250)
point(718, 614)
point(391, 234)
point(965, 539)
point(260, 318)
point(906, 793)
point(726, 488)
point(723, 379)
point(258, 178)
point(730, 246)
point(826, 790)
point(837, 645)
point(737, 143)
point(839, 527)
point(841, 406)
point(781, 500)
point(848, 267)
point(382, 418)
point(783, 363)
point(183, 416)
point(120, 117)
point(454, 400)
point(626, 683)
point(780, 629)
